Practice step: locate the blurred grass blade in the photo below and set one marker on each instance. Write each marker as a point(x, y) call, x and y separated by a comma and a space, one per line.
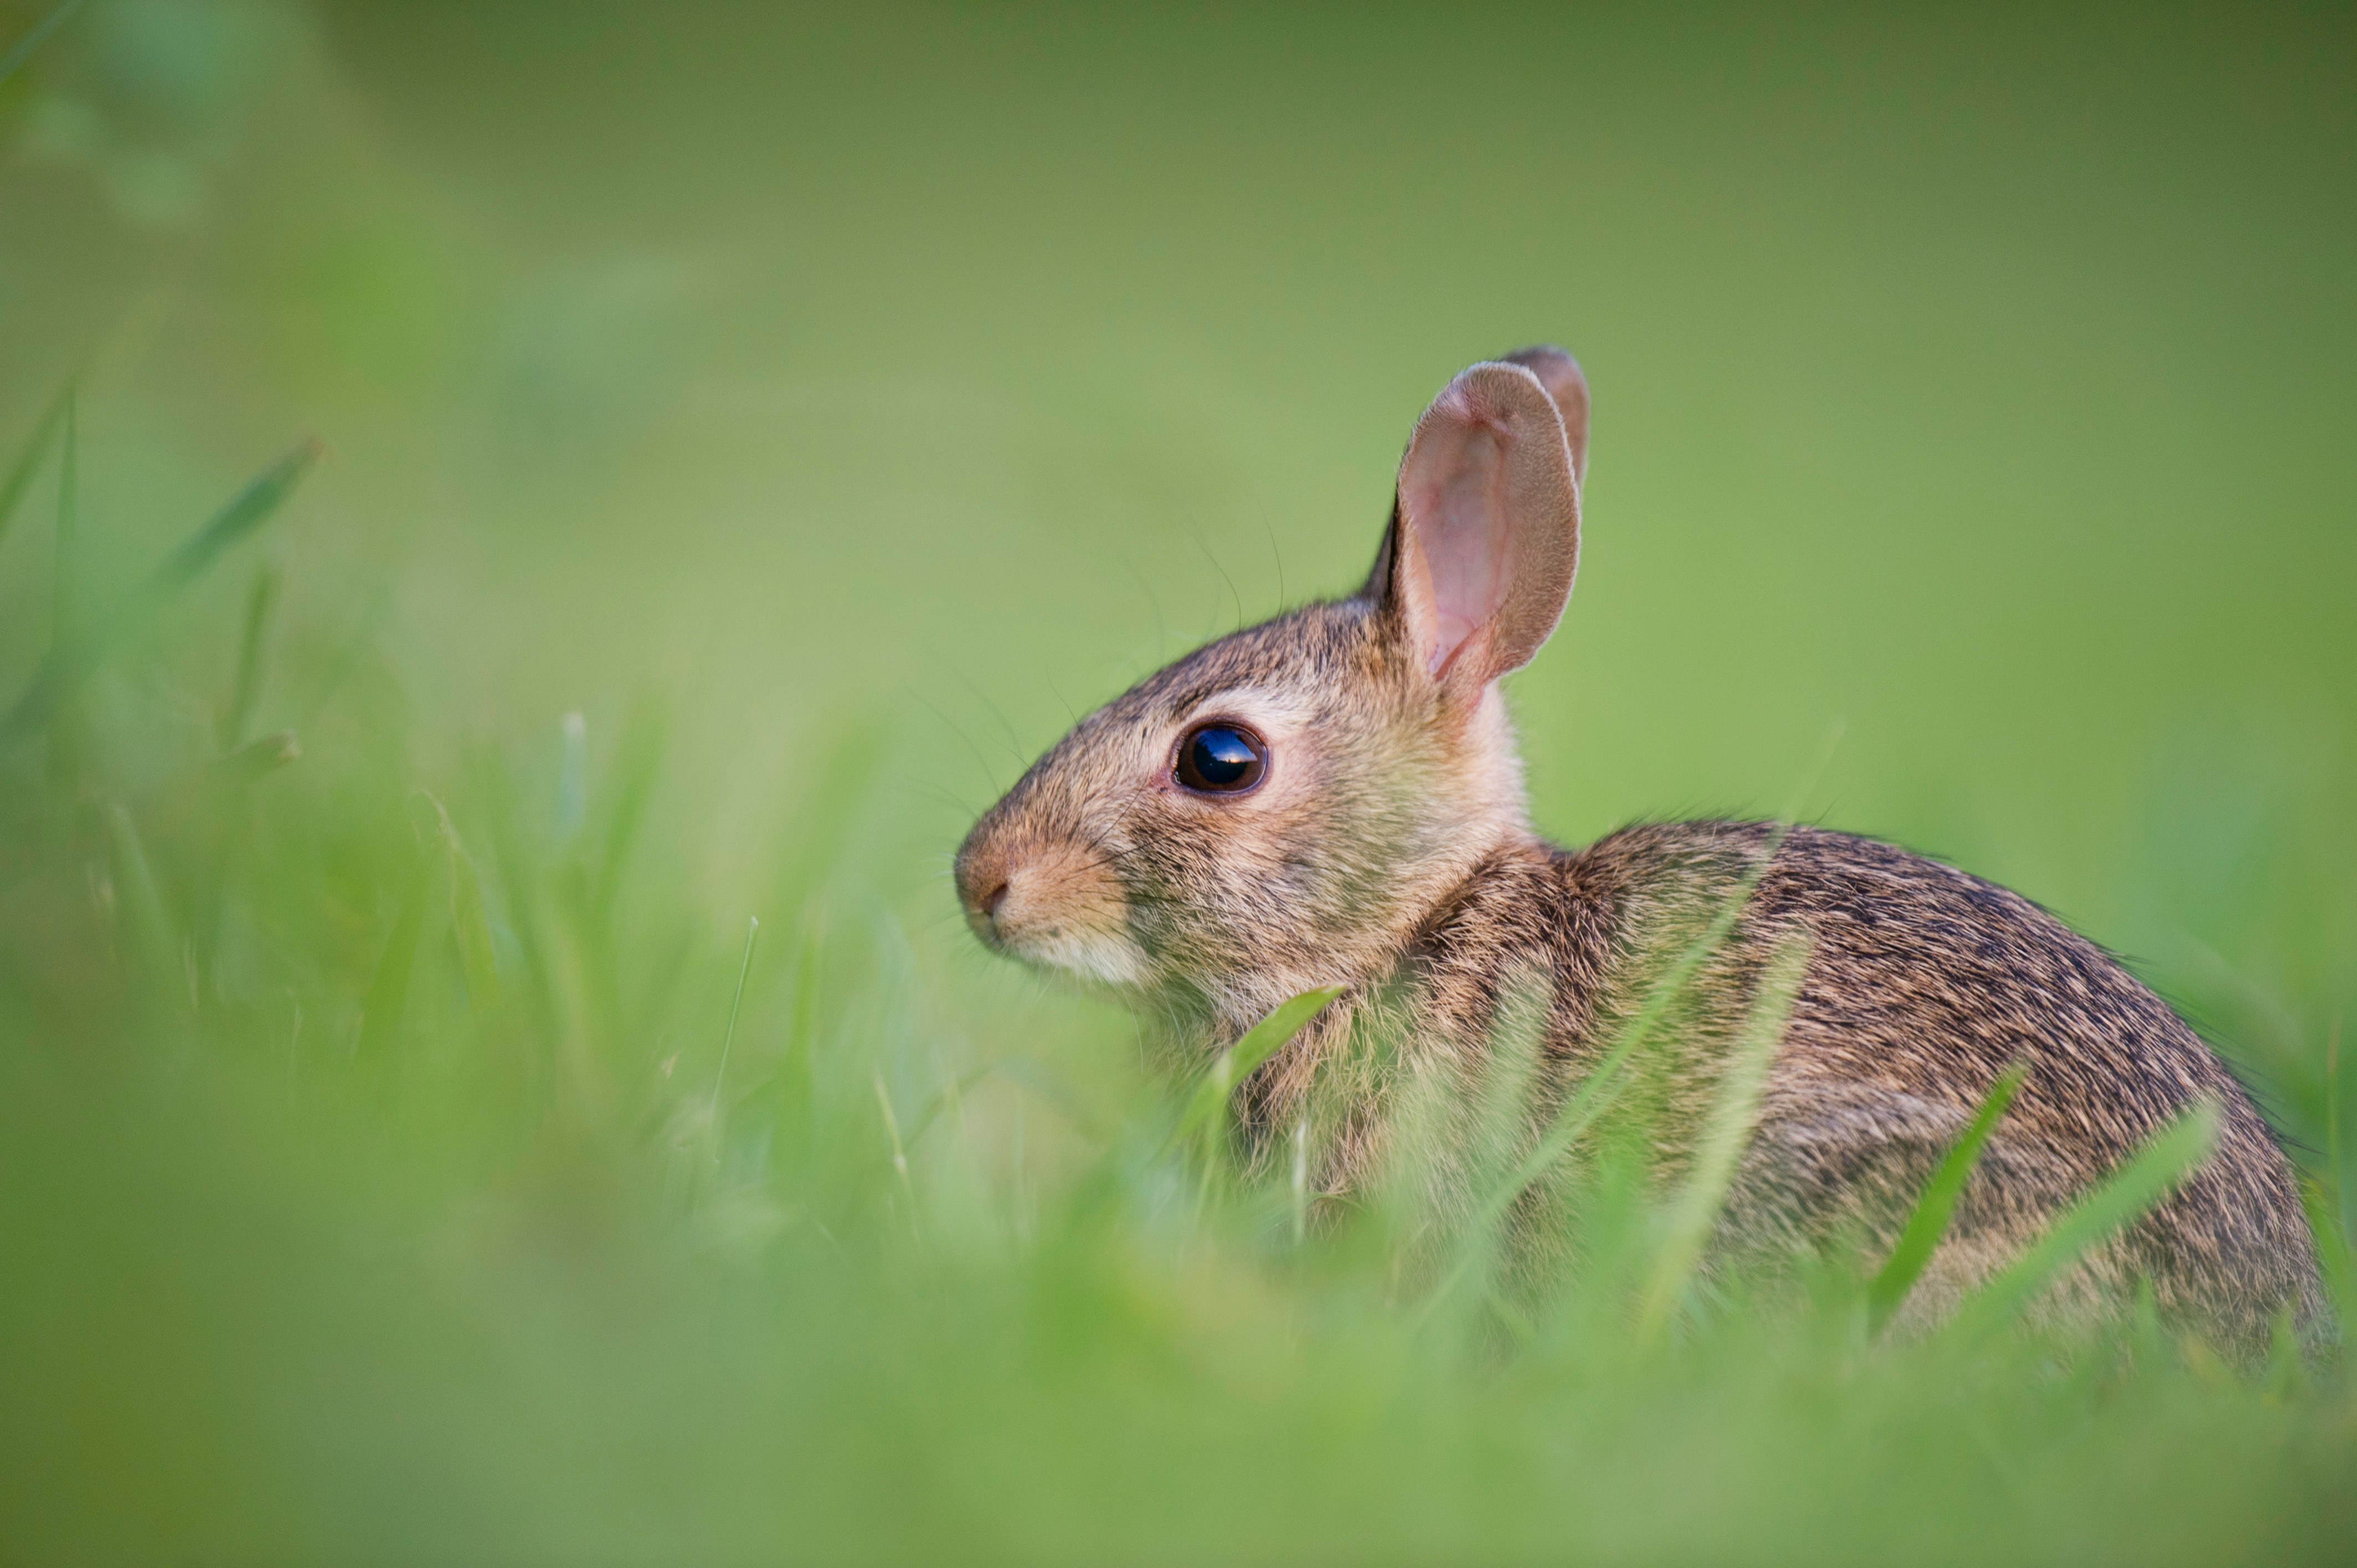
point(388, 992)
point(2333, 1257)
point(1717, 1152)
point(950, 1096)
point(572, 778)
point(1596, 1093)
point(1601, 1086)
point(246, 685)
point(1673, 981)
point(146, 924)
point(13, 61)
point(795, 1080)
point(470, 924)
point(728, 1039)
point(472, 927)
point(1512, 1075)
point(635, 765)
point(1806, 785)
point(28, 462)
point(1928, 1222)
point(71, 660)
point(2163, 1161)
point(245, 511)
point(519, 874)
point(257, 757)
point(1237, 1063)
point(899, 1155)
point(64, 555)
point(2333, 1173)
point(68, 738)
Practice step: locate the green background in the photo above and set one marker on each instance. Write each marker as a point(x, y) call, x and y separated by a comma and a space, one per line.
point(868, 391)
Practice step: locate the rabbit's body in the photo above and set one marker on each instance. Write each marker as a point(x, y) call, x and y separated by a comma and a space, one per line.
point(1921, 985)
point(1334, 797)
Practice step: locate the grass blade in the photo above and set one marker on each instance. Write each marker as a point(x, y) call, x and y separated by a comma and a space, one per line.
point(1928, 1222)
point(2333, 1257)
point(470, 924)
point(1512, 1074)
point(28, 462)
point(572, 780)
point(1236, 1064)
point(247, 684)
point(899, 1155)
point(1601, 1088)
point(1672, 983)
point(71, 660)
point(1727, 1133)
point(636, 762)
point(736, 1004)
point(259, 758)
point(13, 61)
point(67, 740)
point(245, 511)
point(793, 1086)
point(1596, 1093)
point(388, 992)
point(155, 944)
point(1594, 1096)
point(64, 589)
point(2163, 1161)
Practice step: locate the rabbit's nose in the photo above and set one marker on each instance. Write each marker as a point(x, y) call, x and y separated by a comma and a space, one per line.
point(982, 875)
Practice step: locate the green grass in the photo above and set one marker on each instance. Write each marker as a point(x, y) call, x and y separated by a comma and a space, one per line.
point(412, 1150)
point(1927, 1224)
point(394, 1197)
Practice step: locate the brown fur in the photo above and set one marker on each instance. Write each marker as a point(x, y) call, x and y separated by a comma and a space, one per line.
point(1388, 849)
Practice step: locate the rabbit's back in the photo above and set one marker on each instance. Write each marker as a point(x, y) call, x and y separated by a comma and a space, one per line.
point(1922, 984)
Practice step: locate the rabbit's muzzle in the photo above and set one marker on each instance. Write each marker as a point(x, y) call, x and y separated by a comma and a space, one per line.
point(1048, 901)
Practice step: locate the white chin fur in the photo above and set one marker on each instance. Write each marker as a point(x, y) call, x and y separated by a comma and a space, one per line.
point(1101, 960)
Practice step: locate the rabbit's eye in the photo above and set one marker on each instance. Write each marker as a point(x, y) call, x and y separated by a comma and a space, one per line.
point(1221, 760)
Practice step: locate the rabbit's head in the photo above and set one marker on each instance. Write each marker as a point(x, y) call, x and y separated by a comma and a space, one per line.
point(1285, 806)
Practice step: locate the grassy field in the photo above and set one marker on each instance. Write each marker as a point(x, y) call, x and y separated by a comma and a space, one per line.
point(748, 435)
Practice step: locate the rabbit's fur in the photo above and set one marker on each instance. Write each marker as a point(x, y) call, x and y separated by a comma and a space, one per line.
point(1388, 848)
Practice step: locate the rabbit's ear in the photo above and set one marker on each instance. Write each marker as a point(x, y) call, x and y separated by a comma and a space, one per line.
point(1484, 538)
point(1559, 374)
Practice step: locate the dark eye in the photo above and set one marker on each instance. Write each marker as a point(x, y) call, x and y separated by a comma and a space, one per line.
point(1221, 760)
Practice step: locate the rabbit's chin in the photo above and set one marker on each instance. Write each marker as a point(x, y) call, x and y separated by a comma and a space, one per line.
point(1093, 961)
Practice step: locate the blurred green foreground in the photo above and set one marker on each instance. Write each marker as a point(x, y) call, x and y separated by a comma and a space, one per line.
point(751, 434)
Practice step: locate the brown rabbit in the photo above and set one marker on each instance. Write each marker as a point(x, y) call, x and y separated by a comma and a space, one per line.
point(1334, 797)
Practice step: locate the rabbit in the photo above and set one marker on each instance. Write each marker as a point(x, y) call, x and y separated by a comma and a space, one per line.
point(1334, 797)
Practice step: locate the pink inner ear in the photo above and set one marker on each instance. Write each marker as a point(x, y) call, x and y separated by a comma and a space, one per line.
point(1488, 539)
point(1457, 495)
